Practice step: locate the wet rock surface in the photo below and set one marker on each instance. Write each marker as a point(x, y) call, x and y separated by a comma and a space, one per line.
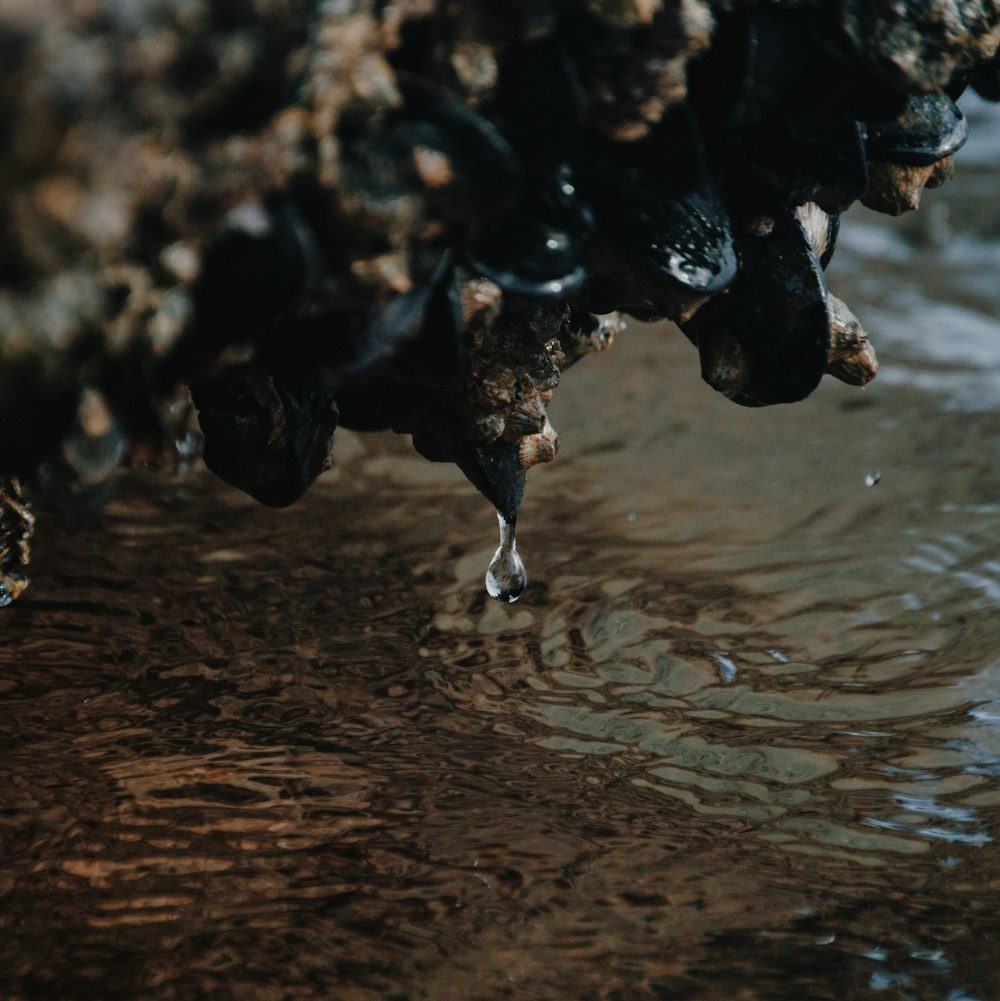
point(412, 216)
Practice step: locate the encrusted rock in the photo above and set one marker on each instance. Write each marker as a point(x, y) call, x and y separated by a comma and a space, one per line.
point(416, 215)
point(916, 45)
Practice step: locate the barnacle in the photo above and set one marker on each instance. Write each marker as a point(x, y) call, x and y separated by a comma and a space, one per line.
point(417, 216)
point(16, 525)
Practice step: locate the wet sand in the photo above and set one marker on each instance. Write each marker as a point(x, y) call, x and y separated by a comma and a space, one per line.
point(739, 739)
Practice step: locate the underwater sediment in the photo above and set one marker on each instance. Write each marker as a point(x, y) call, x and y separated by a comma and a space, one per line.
point(240, 225)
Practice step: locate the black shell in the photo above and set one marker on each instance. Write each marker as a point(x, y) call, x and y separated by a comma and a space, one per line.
point(397, 323)
point(373, 406)
point(416, 335)
point(540, 105)
point(776, 311)
point(435, 357)
point(486, 172)
point(662, 215)
point(929, 129)
point(870, 100)
point(797, 154)
point(250, 275)
point(538, 249)
point(266, 437)
point(758, 57)
point(985, 81)
point(493, 469)
point(685, 241)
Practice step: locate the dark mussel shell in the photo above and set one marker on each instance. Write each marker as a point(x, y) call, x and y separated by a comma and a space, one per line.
point(985, 81)
point(249, 277)
point(831, 147)
point(757, 59)
point(540, 105)
point(659, 211)
point(494, 469)
point(49, 397)
point(436, 356)
point(484, 173)
point(253, 272)
point(392, 326)
point(687, 241)
point(803, 150)
point(869, 99)
point(806, 136)
point(612, 288)
point(537, 250)
point(681, 249)
point(930, 128)
point(372, 407)
point(338, 348)
point(263, 435)
point(376, 362)
point(774, 317)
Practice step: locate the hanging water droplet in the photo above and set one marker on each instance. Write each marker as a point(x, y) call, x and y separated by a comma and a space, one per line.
point(506, 577)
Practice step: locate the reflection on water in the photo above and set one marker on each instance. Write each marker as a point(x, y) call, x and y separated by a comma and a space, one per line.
point(740, 737)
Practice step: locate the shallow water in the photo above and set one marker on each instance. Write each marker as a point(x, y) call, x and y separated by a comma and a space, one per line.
point(739, 739)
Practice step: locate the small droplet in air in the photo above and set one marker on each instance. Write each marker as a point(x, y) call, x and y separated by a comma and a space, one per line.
point(872, 478)
point(506, 577)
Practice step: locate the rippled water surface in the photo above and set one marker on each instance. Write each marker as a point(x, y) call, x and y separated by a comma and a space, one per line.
point(740, 739)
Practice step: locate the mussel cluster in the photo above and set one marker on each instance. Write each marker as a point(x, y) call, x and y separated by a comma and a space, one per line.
point(415, 215)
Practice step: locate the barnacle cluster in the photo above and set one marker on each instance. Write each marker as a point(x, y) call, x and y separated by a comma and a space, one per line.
point(413, 214)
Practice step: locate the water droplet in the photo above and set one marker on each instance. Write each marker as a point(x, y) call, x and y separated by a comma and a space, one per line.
point(872, 478)
point(506, 577)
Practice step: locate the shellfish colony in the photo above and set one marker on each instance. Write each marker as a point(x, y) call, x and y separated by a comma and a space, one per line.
point(286, 218)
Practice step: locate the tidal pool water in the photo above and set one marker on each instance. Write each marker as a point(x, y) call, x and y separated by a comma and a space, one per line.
point(738, 739)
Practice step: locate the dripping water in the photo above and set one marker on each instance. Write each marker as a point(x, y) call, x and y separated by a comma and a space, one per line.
point(506, 577)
